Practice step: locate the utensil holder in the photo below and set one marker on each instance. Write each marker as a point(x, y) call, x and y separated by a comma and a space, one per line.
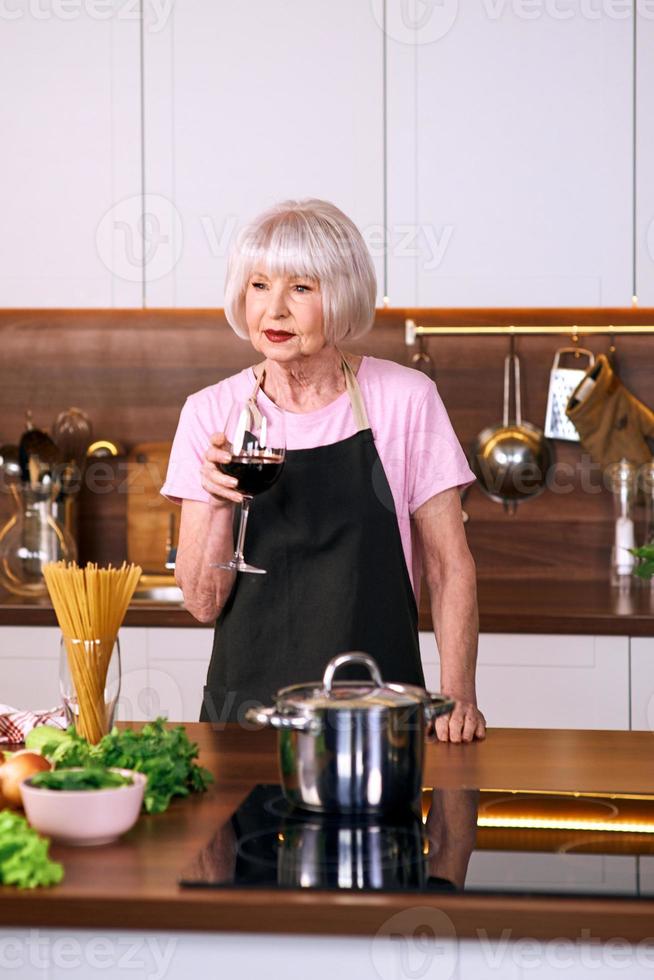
point(30, 539)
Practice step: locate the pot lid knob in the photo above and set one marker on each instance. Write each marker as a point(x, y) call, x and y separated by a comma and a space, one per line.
point(355, 657)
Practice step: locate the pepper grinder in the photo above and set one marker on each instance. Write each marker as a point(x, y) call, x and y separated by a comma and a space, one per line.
point(622, 482)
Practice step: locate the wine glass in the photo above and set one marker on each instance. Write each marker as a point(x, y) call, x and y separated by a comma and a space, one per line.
point(257, 442)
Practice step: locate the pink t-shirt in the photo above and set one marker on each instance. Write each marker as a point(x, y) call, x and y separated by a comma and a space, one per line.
point(416, 443)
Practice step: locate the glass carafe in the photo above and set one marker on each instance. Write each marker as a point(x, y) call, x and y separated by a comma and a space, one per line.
point(646, 479)
point(30, 539)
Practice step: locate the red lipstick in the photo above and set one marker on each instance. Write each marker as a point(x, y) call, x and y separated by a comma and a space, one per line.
point(277, 336)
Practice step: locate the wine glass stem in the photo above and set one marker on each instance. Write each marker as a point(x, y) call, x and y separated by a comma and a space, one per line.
point(245, 511)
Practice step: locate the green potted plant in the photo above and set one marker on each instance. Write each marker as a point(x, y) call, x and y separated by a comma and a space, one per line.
point(645, 560)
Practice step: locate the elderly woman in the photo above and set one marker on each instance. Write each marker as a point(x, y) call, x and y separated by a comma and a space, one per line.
point(370, 486)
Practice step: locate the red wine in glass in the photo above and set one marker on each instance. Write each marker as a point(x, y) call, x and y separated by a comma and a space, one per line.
point(257, 442)
point(254, 473)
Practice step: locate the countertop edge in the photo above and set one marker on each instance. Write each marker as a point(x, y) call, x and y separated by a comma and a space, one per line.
point(554, 606)
point(176, 617)
point(472, 915)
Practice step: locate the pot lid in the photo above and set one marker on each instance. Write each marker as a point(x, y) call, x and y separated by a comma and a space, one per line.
point(332, 694)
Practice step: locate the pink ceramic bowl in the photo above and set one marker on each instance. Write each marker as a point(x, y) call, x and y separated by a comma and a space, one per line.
point(90, 816)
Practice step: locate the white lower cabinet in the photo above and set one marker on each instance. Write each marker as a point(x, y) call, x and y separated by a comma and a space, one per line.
point(163, 670)
point(29, 666)
point(547, 681)
point(177, 663)
point(642, 684)
point(523, 680)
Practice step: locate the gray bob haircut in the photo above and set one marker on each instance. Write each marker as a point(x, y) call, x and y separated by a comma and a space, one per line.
point(311, 238)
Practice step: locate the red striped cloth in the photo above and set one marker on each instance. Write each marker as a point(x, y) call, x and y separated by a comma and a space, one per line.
point(14, 724)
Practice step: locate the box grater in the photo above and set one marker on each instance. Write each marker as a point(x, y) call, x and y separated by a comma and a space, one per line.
point(563, 382)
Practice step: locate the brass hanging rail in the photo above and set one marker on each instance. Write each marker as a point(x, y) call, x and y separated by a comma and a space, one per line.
point(413, 330)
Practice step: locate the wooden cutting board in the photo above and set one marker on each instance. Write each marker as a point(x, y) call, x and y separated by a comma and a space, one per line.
point(149, 515)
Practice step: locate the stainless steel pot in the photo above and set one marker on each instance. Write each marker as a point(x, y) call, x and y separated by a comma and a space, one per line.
point(352, 746)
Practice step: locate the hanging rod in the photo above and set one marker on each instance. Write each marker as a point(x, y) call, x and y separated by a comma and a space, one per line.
point(413, 330)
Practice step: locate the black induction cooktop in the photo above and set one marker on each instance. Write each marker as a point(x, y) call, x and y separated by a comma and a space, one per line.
point(493, 841)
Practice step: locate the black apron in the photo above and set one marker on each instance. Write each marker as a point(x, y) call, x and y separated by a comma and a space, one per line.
point(337, 580)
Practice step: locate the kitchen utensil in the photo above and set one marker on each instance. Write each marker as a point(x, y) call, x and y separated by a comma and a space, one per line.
point(92, 816)
point(38, 455)
point(171, 549)
point(31, 538)
point(563, 381)
point(105, 447)
point(612, 423)
point(150, 542)
point(422, 360)
point(511, 460)
point(72, 433)
point(10, 471)
point(352, 746)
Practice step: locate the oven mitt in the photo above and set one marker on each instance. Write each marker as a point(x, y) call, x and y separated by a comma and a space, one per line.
point(612, 423)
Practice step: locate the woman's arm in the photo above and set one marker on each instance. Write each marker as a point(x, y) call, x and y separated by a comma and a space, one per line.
point(206, 537)
point(449, 569)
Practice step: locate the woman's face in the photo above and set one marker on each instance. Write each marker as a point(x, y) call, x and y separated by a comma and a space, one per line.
point(284, 316)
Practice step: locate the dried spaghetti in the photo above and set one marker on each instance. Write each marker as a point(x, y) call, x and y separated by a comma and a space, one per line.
point(90, 604)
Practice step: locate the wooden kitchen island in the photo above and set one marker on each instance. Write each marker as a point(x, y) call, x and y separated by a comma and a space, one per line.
point(133, 884)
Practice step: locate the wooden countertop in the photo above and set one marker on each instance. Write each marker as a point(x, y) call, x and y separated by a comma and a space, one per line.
point(520, 606)
point(133, 883)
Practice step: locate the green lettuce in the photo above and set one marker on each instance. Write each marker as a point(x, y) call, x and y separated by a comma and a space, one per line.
point(80, 779)
point(24, 860)
point(164, 755)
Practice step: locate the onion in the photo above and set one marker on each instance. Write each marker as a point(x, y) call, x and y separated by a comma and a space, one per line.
point(21, 765)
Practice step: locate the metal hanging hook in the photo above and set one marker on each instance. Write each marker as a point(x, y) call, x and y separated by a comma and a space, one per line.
point(422, 360)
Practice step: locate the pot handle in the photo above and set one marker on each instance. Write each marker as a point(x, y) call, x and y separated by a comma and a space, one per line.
point(437, 705)
point(355, 657)
point(275, 719)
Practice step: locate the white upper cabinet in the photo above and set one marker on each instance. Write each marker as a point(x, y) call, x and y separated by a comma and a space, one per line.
point(70, 161)
point(249, 102)
point(510, 153)
point(645, 159)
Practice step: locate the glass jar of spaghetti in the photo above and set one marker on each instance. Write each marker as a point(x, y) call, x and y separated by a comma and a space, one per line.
point(89, 683)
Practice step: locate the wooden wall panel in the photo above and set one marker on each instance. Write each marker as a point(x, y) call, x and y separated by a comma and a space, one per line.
point(132, 369)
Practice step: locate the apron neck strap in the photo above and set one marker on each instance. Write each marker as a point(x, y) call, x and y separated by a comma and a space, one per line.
point(356, 398)
point(351, 386)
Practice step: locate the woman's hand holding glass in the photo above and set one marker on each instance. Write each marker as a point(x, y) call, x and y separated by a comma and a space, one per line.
point(248, 459)
point(222, 487)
